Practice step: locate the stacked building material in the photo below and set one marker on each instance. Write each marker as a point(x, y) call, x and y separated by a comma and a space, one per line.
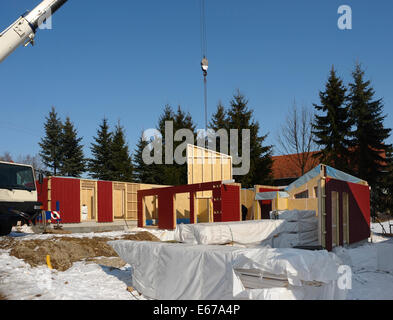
point(258, 232)
point(300, 228)
point(167, 271)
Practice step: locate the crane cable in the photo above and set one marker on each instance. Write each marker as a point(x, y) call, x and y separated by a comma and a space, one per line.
point(204, 63)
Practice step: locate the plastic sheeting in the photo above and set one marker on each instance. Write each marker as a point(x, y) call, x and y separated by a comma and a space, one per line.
point(294, 228)
point(330, 172)
point(300, 226)
point(244, 232)
point(197, 272)
point(339, 175)
point(299, 229)
point(292, 215)
point(290, 240)
point(304, 179)
point(271, 195)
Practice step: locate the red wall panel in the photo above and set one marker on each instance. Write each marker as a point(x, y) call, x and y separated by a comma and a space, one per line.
point(42, 193)
point(165, 210)
point(359, 211)
point(230, 203)
point(67, 192)
point(105, 203)
point(266, 205)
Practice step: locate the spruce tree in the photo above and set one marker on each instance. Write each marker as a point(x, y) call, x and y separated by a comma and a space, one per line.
point(220, 121)
point(182, 120)
point(72, 163)
point(143, 173)
point(241, 117)
point(332, 127)
point(370, 152)
point(51, 150)
point(100, 166)
point(121, 164)
point(172, 174)
point(164, 174)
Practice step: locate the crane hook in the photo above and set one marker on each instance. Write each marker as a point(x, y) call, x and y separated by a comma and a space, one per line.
point(205, 66)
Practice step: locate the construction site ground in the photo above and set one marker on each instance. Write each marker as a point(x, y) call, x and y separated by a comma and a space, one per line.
point(82, 266)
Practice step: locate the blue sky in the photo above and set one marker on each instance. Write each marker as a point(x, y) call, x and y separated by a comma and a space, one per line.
point(126, 59)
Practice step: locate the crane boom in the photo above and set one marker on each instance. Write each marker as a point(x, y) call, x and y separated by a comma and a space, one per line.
point(23, 30)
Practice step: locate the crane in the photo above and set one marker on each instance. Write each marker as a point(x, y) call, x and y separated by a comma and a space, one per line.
point(204, 62)
point(23, 30)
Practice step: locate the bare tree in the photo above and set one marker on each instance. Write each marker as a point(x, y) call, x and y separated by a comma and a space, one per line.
point(6, 157)
point(296, 137)
point(34, 161)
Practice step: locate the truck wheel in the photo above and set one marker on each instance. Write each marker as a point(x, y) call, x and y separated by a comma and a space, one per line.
point(5, 229)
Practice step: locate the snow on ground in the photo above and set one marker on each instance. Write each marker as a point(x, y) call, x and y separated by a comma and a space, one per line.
point(19, 281)
point(377, 228)
point(91, 281)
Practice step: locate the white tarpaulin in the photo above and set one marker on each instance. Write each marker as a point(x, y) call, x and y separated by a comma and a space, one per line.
point(310, 224)
point(197, 272)
point(244, 232)
point(290, 240)
point(273, 233)
point(293, 215)
point(271, 195)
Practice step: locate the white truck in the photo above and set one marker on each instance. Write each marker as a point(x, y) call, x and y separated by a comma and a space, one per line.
point(18, 196)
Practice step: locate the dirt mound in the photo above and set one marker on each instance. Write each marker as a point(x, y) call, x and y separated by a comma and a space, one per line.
point(64, 251)
point(141, 236)
point(6, 242)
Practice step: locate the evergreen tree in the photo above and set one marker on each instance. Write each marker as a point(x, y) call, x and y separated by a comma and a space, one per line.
point(72, 163)
point(332, 128)
point(51, 152)
point(179, 172)
point(143, 173)
point(172, 174)
point(371, 155)
point(121, 164)
point(241, 117)
point(100, 166)
point(220, 121)
point(164, 174)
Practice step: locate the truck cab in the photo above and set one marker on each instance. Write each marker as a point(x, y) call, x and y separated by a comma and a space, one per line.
point(18, 196)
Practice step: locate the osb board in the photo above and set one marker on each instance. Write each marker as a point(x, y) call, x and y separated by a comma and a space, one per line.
point(132, 189)
point(151, 207)
point(202, 209)
point(119, 203)
point(303, 204)
point(280, 204)
point(247, 197)
point(89, 198)
point(182, 205)
point(310, 186)
point(205, 165)
point(125, 200)
point(88, 184)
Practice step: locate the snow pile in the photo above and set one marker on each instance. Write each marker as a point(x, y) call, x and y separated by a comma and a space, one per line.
point(382, 227)
point(370, 257)
point(300, 228)
point(19, 281)
point(199, 272)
